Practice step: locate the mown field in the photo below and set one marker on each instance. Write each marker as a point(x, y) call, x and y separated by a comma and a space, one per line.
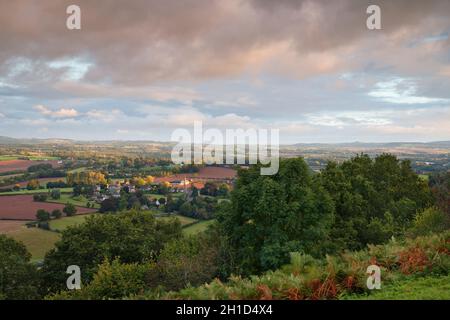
point(63, 223)
point(22, 192)
point(197, 227)
point(37, 241)
point(79, 201)
point(34, 158)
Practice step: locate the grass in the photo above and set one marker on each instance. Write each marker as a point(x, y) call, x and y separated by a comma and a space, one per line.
point(424, 177)
point(63, 223)
point(6, 158)
point(158, 196)
point(184, 220)
point(77, 170)
point(198, 227)
point(426, 288)
point(37, 241)
point(34, 158)
point(79, 201)
point(22, 192)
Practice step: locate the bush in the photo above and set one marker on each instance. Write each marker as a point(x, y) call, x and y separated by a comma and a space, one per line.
point(33, 184)
point(431, 220)
point(56, 214)
point(132, 237)
point(113, 280)
point(55, 194)
point(40, 197)
point(42, 215)
point(70, 210)
point(44, 225)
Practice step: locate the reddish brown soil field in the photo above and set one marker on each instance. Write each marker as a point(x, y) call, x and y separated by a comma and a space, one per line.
point(23, 207)
point(216, 173)
point(13, 165)
point(206, 173)
point(7, 226)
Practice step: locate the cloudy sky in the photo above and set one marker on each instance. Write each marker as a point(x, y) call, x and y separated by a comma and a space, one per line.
point(139, 69)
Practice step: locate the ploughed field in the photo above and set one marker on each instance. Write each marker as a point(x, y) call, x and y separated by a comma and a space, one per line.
point(22, 207)
point(206, 173)
point(22, 165)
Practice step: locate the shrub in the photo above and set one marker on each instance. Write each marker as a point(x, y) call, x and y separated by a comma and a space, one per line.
point(70, 210)
point(55, 194)
point(42, 215)
point(431, 220)
point(41, 197)
point(56, 214)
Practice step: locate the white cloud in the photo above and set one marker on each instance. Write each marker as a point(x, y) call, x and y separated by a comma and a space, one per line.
point(400, 91)
point(60, 113)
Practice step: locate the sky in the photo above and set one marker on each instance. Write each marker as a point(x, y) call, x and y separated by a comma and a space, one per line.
point(139, 69)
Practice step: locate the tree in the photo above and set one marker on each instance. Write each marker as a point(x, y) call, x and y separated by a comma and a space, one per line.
point(374, 199)
point(131, 237)
point(189, 261)
point(56, 214)
point(40, 197)
point(18, 277)
point(33, 184)
point(440, 187)
point(112, 205)
point(42, 215)
point(271, 216)
point(224, 189)
point(431, 220)
point(55, 194)
point(70, 209)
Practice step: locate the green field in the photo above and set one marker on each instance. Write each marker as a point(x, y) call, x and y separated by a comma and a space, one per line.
point(198, 227)
point(426, 288)
point(34, 158)
point(77, 201)
point(15, 193)
point(63, 223)
point(37, 241)
point(424, 177)
point(82, 169)
point(184, 220)
point(158, 196)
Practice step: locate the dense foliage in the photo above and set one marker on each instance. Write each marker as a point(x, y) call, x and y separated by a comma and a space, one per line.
point(271, 216)
point(374, 199)
point(18, 277)
point(131, 237)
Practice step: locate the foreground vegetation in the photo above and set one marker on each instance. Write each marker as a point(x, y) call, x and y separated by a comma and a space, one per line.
point(294, 235)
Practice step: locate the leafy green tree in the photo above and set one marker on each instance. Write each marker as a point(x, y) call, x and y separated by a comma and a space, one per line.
point(440, 187)
point(56, 214)
point(131, 237)
point(69, 209)
point(55, 194)
point(113, 280)
point(271, 216)
point(374, 199)
point(18, 277)
point(42, 215)
point(192, 260)
point(431, 220)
